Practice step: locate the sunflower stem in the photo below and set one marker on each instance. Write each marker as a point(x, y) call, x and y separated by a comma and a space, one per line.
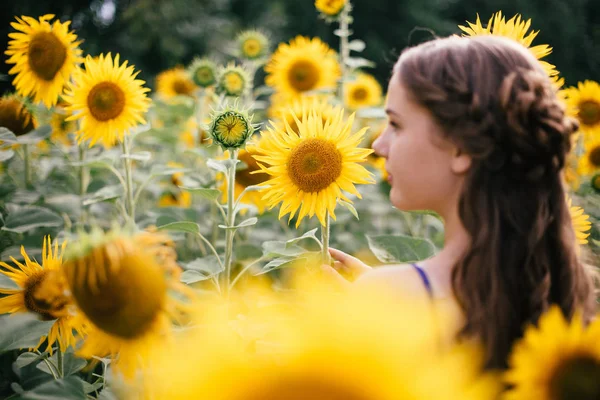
point(325, 231)
point(27, 160)
point(82, 181)
point(229, 233)
point(344, 50)
point(201, 99)
point(60, 363)
point(128, 179)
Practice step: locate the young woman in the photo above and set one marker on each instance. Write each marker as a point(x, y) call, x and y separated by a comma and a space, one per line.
point(477, 134)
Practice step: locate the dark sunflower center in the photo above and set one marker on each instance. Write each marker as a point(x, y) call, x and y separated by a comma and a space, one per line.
point(594, 157)
point(314, 165)
point(46, 55)
point(182, 87)
point(310, 388)
point(244, 177)
point(589, 112)
point(106, 101)
point(303, 76)
point(120, 290)
point(578, 378)
point(44, 295)
point(359, 94)
point(596, 182)
point(15, 117)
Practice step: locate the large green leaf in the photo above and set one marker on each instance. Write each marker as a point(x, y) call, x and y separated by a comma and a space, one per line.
point(181, 226)
point(36, 135)
point(201, 269)
point(31, 217)
point(400, 249)
point(18, 331)
point(206, 193)
point(70, 388)
point(71, 363)
point(277, 249)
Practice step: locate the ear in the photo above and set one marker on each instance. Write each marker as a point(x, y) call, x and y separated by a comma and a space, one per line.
point(460, 162)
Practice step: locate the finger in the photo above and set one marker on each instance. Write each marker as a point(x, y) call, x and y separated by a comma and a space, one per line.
point(340, 267)
point(346, 259)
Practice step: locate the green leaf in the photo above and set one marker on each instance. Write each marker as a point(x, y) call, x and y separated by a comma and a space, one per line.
point(6, 155)
point(159, 170)
point(349, 207)
point(209, 194)
point(36, 135)
point(217, 165)
point(357, 45)
point(282, 262)
point(308, 235)
point(207, 267)
point(70, 388)
point(31, 217)
point(247, 222)
point(400, 249)
point(358, 62)
point(71, 363)
point(141, 156)
point(27, 358)
point(107, 394)
point(181, 226)
point(18, 331)
point(342, 32)
point(95, 162)
point(107, 193)
point(277, 248)
point(247, 252)
point(7, 137)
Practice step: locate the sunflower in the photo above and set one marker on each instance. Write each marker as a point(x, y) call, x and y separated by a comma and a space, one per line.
point(233, 81)
point(231, 127)
point(584, 100)
point(595, 182)
point(175, 82)
point(581, 222)
point(309, 169)
point(61, 127)
point(246, 177)
point(192, 136)
point(518, 30)
point(203, 72)
point(45, 55)
point(252, 45)
point(330, 8)
point(364, 91)
point(289, 112)
point(302, 66)
point(42, 291)
point(569, 354)
point(15, 116)
point(175, 196)
point(107, 99)
point(589, 162)
point(326, 347)
point(120, 284)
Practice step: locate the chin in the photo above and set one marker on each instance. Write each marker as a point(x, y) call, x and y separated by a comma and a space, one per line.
point(403, 203)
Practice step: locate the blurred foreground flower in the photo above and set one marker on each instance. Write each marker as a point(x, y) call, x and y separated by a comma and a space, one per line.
point(107, 99)
point(310, 169)
point(43, 291)
point(15, 116)
point(557, 360)
point(45, 55)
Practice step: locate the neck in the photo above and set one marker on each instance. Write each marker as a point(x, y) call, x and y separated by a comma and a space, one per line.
point(456, 238)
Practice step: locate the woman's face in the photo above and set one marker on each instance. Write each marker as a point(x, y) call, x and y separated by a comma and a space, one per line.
point(425, 170)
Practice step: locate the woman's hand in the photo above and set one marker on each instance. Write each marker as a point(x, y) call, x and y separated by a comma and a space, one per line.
point(347, 266)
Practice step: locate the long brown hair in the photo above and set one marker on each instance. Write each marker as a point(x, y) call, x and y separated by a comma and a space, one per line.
point(494, 101)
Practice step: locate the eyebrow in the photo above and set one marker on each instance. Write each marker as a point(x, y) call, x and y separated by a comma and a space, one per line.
point(390, 111)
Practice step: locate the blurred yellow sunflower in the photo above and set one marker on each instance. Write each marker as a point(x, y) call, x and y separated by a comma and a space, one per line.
point(120, 284)
point(516, 29)
point(107, 99)
point(581, 222)
point(233, 81)
point(330, 8)
point(192, 136)
point(326, 347)
point(302, 66)
point(61, 127)
point(297, 109)
point(15, 116)
point(45, 55)
point(584, 100)
point(557, 360)
point(175, 197)
point(245, 177)
point(42, 291)
point(310, 169)
point(595, 182)
point(364, 91)
point(589, 162)
point(252, 45)
point(175, 82)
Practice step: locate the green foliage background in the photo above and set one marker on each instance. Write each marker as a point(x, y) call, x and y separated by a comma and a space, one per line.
point(156, 34)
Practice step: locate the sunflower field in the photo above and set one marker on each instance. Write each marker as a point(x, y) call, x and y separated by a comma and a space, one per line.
point(168, 243)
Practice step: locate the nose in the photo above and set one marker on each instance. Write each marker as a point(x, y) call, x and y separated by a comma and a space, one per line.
point(380, 145)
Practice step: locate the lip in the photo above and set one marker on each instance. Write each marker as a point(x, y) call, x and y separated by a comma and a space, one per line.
point(389, 178)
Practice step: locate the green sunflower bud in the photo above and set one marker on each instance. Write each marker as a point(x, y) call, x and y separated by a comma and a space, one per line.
point(203, 71)
point(233, 81)
point(231, 127)
point(252, 45)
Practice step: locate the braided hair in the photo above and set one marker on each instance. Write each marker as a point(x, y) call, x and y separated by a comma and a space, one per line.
point(493, 100)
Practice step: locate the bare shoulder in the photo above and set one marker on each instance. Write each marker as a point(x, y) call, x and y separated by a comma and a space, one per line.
point(401, 278)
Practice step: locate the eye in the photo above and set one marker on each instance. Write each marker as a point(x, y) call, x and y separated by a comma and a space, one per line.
point(395, 126)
